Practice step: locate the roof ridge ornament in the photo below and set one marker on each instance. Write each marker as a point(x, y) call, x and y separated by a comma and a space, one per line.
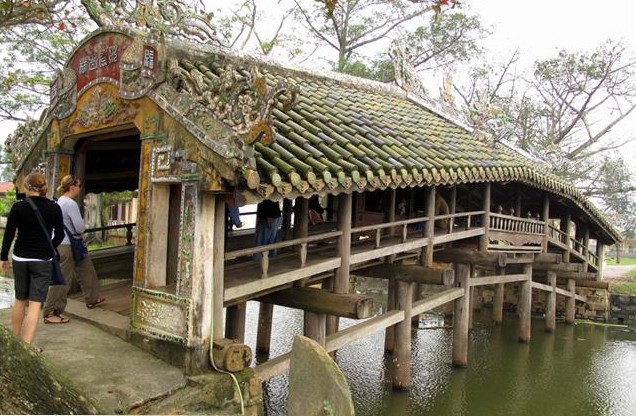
point(404, 73)
point(168, 17)
point(239, 98)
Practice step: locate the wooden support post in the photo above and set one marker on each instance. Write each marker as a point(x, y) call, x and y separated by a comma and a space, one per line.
point(412, 273)
point(550, 307)
point(452, 204)
point(264, 331)
point(316, 326)
point(301, 225)
point(301, 217)
point(389, 332)
point(570, 304)
point(498, 301)
point(347, 305)
point(430, 227)
point(235, 322)
point(566, 227)
point(218, 263)
point(600, 255)
point(343, 248)
point(546, 222)
point(460, 317)
point(594, 284)
point(554, 258)
point(286, 227)
point(471, 256)
point(485, 238)
point(389, 216)
point(525, 304)
point(586, 249)
point(402, 356)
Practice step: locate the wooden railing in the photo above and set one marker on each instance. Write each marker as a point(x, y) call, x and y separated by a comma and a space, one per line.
point(512, 224)
point(301, 243)
point(414, 227)
point(103, 230)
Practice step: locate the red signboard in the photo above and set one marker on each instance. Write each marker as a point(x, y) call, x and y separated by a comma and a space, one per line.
point(99, 59)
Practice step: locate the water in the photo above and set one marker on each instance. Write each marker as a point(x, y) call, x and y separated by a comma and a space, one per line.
point(578, 370)
point(6, 292)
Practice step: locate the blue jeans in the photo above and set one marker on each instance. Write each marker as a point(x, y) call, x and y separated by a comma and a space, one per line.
point(267, 233)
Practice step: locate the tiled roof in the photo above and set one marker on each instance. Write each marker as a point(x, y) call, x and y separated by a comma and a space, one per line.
point(345, 134)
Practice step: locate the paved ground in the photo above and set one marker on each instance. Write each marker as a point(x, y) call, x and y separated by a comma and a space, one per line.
point(618, 273)
point(117, 374)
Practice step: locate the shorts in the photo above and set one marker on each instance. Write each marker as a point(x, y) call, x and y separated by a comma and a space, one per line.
point(32, 279)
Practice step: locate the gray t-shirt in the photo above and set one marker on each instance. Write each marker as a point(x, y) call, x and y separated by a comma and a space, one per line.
point(72, 217)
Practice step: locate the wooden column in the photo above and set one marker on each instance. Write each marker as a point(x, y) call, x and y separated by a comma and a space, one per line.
point(426, 258)
point(316, 326)
point(461, 317)
point(518, 203)
point(343, 247)
point(485, 239)
point(264, 330)
point(301, 219)
point(402, 355)
point(452, 205)
point(389, 216)
point(546, 222)
point(286, 227)
point(566, 227)
point(389, 332)
point(235, 322)
point(570, 304)
point(216, 205)
point(473, 275)
point(550, 307)
point(600, 255)
point(525, 304)
point(586, 249)
point(498, 301)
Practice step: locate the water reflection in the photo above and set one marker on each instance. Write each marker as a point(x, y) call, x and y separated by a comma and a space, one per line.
point(577, 370)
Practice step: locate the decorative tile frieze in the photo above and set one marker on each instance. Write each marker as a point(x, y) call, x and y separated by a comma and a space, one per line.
point(189, 207)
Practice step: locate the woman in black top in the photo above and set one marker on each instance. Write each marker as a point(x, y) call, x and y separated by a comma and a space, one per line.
point(31, 254)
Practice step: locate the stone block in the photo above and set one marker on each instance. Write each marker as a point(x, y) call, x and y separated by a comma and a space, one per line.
point(316, 384)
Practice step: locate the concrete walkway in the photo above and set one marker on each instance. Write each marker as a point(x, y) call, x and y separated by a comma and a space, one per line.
point(117, 374)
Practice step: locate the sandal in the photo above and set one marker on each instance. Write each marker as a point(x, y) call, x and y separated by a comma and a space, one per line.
point(97, 302)
point(61, 320)
point(37, 349)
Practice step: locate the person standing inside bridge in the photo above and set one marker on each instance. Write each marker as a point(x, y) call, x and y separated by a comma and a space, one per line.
point(268, 222)
point(31, 254)
point(83, 270)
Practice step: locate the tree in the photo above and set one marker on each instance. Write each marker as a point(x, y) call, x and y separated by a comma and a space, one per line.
point(567, 113)
point(31, 54)
point(15, 13)
point(358, 24)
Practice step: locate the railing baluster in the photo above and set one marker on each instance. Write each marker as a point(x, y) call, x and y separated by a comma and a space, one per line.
point(264, 264)
point(303, 254)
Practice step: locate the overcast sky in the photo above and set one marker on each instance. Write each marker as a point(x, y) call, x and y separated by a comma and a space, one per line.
point(539, 28)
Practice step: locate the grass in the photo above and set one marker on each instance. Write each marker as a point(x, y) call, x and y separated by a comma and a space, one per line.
point(625, 261)
point(626, 288)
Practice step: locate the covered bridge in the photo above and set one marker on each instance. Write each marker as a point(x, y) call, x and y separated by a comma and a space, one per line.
point(412, 195)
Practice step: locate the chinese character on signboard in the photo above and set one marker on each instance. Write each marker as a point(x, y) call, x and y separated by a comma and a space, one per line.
point(149, 58)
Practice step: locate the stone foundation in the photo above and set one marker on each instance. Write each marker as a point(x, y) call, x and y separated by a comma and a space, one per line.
point(596, 308)
point(622, 310)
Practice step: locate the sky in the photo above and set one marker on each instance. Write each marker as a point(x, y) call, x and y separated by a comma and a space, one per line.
point(538, 28)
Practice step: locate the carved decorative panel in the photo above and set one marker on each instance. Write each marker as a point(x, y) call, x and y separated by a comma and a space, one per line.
point(161, 314)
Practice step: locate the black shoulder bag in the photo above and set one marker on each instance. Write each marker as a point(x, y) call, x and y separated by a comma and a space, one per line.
point(57, 278)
